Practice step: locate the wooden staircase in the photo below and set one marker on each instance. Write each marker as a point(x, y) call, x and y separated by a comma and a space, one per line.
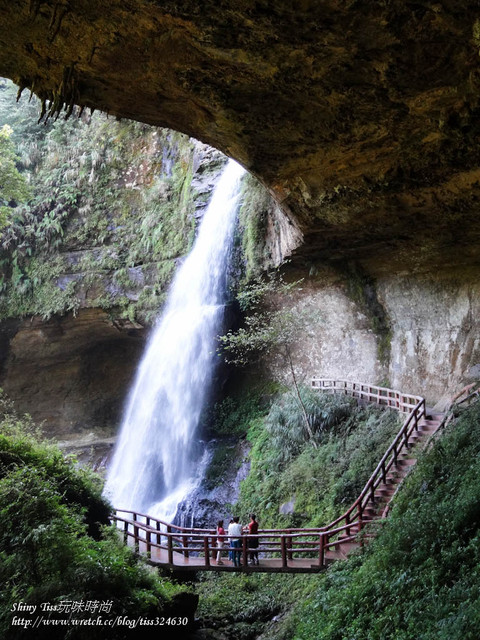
point(384, 493)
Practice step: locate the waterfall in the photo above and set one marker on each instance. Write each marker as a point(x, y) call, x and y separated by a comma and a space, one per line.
point(155, 464)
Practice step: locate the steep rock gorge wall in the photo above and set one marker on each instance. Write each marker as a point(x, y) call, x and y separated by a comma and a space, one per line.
point(71, 373)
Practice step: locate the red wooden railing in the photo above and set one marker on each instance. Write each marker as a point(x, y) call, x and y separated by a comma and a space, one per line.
point(402, 402)
point(176, 542)
point(467, 395)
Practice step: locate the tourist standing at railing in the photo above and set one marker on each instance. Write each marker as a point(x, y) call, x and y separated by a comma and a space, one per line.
point(220, 540)
point(253, 542)
point(235, 531)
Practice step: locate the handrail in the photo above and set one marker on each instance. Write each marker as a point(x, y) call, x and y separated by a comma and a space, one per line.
point(286, 542)
point(161, 522)
point(470, 391)
point(384, 396)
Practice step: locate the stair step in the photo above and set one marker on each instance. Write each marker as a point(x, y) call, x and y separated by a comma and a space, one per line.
point(385, 492)
point(429, 425)
point(406, 462)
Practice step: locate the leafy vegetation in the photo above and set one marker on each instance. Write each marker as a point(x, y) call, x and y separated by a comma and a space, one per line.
point(420, 579)
point(320, 481)
point(241, 607)
point(55, 542)
point(13, 186)
point(232, 416)
point(111, 209)
point(268, 325)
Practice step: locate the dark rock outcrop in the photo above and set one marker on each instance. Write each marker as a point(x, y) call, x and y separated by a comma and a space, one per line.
point(72, 372)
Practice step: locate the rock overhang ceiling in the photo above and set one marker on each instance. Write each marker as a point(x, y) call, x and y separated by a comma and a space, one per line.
point(362, 117)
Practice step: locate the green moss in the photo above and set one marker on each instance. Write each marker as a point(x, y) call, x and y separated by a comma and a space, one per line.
point(38, 291)
point(223, 460)
point(233, 415)
point(118, 192)
point(253, 218)
point(361, 288)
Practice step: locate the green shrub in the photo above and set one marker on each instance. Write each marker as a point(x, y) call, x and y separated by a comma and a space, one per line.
point(56, 544)
point(102, 200)
point(420, 579)
point(286, 423)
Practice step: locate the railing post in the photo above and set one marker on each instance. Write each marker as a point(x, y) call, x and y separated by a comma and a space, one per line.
point(384, 474)
point(347, 521)
point(136, 536)
point(405, 438)
point(372, 493)
point(169, 544)
point(289, 542)
point(360, 517)
point(159, 535)
point(185, 547)
point(321, 549)
point(244, 551)
point(206, 551)
point(283, 547)
point(149, 544)
point(125, 532)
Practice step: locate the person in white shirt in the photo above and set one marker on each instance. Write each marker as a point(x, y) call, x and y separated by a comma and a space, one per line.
point(235, 530)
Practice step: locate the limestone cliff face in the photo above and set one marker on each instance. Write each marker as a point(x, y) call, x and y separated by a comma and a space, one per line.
point(429, 343)
point(435, 343)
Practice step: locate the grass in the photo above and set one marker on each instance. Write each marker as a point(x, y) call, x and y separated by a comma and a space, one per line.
point(420, 579)
point(320, 480)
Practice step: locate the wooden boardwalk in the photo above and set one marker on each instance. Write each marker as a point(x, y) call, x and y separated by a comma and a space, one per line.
point(266, 565)
point(297, 550)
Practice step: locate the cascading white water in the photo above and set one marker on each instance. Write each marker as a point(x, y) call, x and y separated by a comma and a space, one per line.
point(155, 465)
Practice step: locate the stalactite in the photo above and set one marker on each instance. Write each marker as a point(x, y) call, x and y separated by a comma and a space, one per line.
point(63, 98)
point(94, 49)
point(21, 86)
point(43, 110)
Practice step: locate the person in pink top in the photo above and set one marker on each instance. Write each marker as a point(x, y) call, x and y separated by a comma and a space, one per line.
point(220, 540)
